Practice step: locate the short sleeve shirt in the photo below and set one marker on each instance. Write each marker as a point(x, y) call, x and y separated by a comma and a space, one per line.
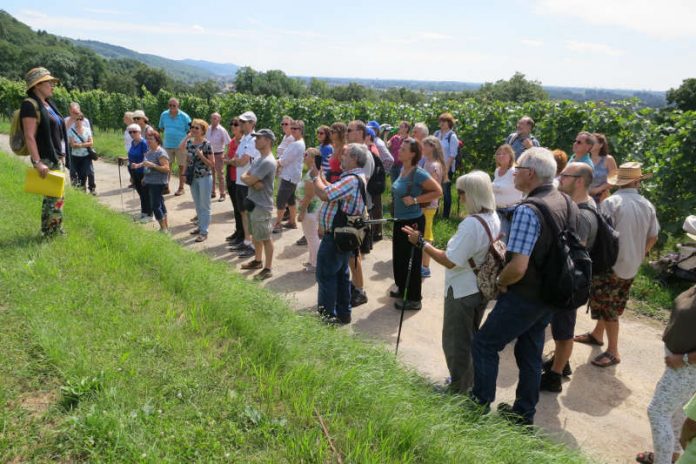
point(247, 146)
point(218, 138)
point(200, 169)
point(524, 231)
point(264, 169)
point(587, 225)
point(411, 185)
point(175, 128)
point(82, 138)
point(292, 162)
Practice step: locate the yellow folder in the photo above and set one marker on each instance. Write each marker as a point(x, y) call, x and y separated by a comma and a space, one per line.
point(51, 186)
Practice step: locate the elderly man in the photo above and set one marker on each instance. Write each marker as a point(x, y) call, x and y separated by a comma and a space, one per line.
point(582, 146)
point(175, 124)
point(246, 155)
point(574, 181)
point(259, 178)
point(218, 138)
point(450, 148)
point(290, 173)
point(522, 138)
point(633, 216)
point(520, 314)
point(334, 299)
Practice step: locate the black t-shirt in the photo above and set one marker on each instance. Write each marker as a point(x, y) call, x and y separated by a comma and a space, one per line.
point(27, 110)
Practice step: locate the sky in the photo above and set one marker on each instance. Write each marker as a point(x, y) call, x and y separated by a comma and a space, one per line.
point(626, 44)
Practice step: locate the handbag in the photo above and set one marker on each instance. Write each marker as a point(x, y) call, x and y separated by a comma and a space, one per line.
point(90, 151)
point(351, 231)
point(493, 263)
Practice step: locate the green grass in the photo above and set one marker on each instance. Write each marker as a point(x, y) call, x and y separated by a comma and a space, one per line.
point(120, 346)
point(108, 143)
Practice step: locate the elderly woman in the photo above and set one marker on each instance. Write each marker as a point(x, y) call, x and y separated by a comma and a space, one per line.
point(45, 136)
point(136, 155)
point(604, 167)
point(127, 121)
point(464, 305)
point(506, 195)
point(156, 176)
point(80, 139)
point(142, 120)
point(308, 208)
point(200, 166)
point(413, 188)
point(435, 166)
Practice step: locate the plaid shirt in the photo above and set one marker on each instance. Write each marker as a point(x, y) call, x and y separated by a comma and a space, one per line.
point(347, 190)
point(524, 231)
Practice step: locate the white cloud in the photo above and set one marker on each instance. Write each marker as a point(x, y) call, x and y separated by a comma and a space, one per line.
point(197, 28)
point(667, 19)
point(532, 42)
point(103, 11)
point(592, 47)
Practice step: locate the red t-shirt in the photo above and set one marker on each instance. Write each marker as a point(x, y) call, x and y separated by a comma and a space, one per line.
point(334, 169)
point(231, 153)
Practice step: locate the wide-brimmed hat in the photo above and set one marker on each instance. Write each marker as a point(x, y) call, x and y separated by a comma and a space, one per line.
point(140, 114)
point(690, 226)
point(627, 173)
point(38, 75)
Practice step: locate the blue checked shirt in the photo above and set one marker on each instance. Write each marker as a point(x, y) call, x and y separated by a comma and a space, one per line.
point(347, 189)
point(524, 231)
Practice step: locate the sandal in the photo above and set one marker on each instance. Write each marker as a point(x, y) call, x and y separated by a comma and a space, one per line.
point(646, 457)
point(253, 264)
point(588, 339)
point(179, 192)
point(222, 198)
point(201, 238)
point(605, 359)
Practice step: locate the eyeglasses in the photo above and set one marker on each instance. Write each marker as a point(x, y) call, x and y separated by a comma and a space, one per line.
point(235, 124)
point(285, 124)
point(294, 128)
point(137, 118)
point(524, 167)
point(133, 132)
point(579, 141)
point(570, 175)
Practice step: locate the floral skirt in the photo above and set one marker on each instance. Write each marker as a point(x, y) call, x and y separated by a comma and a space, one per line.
point(52, 210)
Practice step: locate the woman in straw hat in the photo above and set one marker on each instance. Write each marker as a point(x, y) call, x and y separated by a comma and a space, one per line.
point(46, 139)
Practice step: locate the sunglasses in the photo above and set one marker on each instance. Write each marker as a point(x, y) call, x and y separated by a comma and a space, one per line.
point(285, 124)
point(137, 118)
point(235, 124)
point(570, 175)
point(294, 128)
point(133, 132)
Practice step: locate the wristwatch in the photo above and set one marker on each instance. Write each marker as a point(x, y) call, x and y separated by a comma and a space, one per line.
point(685, 359)
point(34, 162)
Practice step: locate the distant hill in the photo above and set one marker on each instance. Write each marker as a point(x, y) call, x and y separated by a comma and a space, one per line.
point(224, 70)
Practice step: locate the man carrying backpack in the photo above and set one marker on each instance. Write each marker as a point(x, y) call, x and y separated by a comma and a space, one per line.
point(634, 218)
point(574, 181)
point(521, 312)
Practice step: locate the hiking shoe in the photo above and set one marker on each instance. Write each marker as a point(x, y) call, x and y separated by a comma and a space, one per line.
point(358, 298)
point(302, 241)
point(409, 306)
point(290, 225)
point(567, 371)
point(264, 274)
point(425, 272)
point(237, 246)
point(396, 294)
point(247, 252)
point(195, 231)
point(253, 264)
point(506, 412)
point(337, 320)
point(550, 382)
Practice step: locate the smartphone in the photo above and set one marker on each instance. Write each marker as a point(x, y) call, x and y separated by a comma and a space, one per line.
point(317, 162)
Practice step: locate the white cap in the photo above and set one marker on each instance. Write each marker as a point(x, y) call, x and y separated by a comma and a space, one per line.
point(248, 116)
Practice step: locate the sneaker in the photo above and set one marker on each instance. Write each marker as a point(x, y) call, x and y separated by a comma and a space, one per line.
point(425, 272)
point(194, 219)
point(506, 412)
point(567, 371)
point(277, 229)
point(409, 306)
point(290, 225)
point(253, 264)
point(195, 231)
point(202, 238)
point(550, 382)
point(302, 241)
point(336, 320)
point(237, 246)
point(396, 294)
point(247, 252)
point(93, 192)
point(231, 238)
point(264, 274)
point(145, 219)
point(358, 298)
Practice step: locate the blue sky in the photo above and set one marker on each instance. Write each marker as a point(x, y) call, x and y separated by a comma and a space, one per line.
point(633, 44)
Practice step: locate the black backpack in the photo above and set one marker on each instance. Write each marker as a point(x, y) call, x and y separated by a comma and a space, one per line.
point(377, 183)
point(605, 249)
point(566, 273)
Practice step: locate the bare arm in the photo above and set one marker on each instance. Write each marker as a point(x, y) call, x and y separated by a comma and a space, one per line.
point(649, 243)
point(29, 128)
point(438, 255)
point(432, 189)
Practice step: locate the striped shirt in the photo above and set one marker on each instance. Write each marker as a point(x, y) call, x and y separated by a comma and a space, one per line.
point(344, 192)
point(524, 231)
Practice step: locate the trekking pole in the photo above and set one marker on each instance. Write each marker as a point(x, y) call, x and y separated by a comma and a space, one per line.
point(403, 306)
point(120, 183)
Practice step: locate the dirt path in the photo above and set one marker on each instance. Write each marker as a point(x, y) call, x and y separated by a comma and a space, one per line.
point(601, 411)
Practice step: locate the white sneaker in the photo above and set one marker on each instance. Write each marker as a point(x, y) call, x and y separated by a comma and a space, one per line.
point(144, 219)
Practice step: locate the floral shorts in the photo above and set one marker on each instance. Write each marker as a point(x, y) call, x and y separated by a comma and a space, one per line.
point(609, 296)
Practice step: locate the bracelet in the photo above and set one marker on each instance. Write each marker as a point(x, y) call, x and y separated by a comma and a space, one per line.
point(685, 359)
point(420, 244)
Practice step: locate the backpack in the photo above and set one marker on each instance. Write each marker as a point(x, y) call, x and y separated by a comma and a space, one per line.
point(350, 231)
point(493, 263)
point(17, 131)
point(605, 249)
point(377, 183)
point(566, 273)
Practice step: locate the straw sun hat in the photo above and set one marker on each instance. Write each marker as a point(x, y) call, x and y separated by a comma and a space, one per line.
point(36, 76)
point(627, 173)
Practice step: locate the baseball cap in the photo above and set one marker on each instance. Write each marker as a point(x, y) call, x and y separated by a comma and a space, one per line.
point(369, 131)
point(268, 133)
point(374, 125)
point(248, 116)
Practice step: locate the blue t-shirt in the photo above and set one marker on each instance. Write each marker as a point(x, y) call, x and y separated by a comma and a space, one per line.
point(586, 158)
point(175, 129)
point(326, 152)
point(136, 154)
point(400, 188)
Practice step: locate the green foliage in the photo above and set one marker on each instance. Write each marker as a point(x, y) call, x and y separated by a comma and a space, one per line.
point(684, 97)
point(518, 89)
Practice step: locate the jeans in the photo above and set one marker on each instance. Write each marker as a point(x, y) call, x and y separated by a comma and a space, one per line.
point(333, 278)
point(201, 188)
point(137, 178)
point(513, 317)
point(79, 171)
point(446, 199)
point(154, 193)
point(238, 225)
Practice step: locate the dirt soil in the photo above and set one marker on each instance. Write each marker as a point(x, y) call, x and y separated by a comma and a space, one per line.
point(600, 411)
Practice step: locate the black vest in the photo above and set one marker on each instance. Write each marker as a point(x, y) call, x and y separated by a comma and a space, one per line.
point(44, 138)
point(529, 286)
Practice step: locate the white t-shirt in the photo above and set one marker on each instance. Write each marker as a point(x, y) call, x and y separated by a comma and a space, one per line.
point(504, 189)
point(247, 146)
point(471, 240)
point(287, 140)
point(291, 162)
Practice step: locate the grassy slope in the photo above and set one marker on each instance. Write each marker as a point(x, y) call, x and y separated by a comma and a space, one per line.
point(165, 356)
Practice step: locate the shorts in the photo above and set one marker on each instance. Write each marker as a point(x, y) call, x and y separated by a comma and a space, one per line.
point(429, 214)
point(563, 324)
point(609, 296)
point(180, 155)
point(261, 222)
point(241, 193)
point(286, 194)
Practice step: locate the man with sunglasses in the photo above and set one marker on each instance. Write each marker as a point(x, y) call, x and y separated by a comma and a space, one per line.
point(290, 173)
point(582, 147)
point(175, 124)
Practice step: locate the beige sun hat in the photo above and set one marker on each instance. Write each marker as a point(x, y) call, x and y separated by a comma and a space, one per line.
point(140, 114)
point(690, 226)
point(36, 76)
point(627, 173)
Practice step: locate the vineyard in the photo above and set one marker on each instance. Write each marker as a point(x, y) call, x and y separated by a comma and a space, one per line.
point(663, 139)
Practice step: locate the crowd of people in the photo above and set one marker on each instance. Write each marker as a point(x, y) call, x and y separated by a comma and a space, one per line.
point(533, 194)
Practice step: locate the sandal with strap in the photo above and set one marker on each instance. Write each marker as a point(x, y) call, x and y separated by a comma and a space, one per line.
point(605, 359)
point(648, 457)
point(588, 339)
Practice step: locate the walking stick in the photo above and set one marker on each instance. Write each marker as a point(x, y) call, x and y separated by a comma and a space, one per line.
point(403, 306)
point(120, 183)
